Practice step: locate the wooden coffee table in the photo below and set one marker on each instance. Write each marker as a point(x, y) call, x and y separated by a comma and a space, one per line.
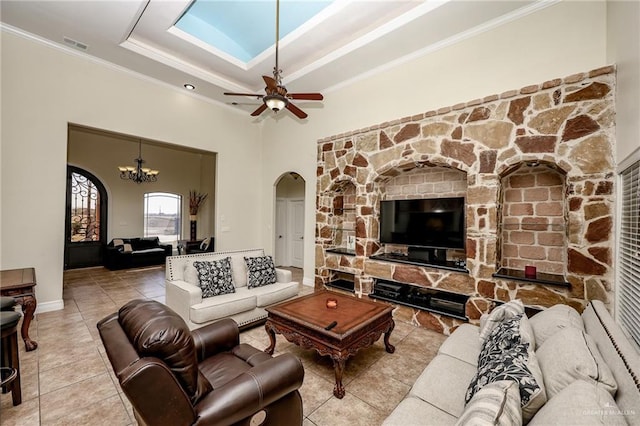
point(303, 321)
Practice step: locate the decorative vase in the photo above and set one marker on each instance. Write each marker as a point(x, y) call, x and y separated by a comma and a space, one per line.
point(193, 227)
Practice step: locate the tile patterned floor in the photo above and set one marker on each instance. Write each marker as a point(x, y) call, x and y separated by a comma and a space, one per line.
point(68, 380)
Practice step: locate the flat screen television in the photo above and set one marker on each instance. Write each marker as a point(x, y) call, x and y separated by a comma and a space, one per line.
point(437, 223)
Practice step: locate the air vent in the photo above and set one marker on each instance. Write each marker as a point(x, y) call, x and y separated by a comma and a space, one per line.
point(75, 44)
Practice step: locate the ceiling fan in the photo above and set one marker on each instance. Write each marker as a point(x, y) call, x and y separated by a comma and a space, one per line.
point(277, 97)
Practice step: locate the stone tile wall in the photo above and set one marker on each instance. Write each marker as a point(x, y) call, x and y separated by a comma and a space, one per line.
point(533, 220)
point(565, 126)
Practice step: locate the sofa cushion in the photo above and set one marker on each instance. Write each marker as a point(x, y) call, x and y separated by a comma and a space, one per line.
point(274, 293)
point(215, 277)
point(239, 266)
point(412, 408)
point(117, 242)
point(145, 251)
point(222, 306)
point(145, 243)
point(126, 248)
point(497, 403)
point(190, 274)
point(444, 372)
point(500, 313)
point(570, 355)
point(463, 344)
point(580, 403)
point(260, 271)
point(550, 321)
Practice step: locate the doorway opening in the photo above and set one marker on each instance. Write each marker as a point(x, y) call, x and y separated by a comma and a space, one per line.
point(289, 220)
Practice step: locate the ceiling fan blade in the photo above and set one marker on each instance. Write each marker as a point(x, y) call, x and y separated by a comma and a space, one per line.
point(297, 111)
point(271, 83)
point(306, 96)
point(259, 111)
point(255, 95)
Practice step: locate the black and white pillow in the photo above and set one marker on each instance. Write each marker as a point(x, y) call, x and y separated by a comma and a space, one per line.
point(508, 333)
point(215, 277)
point(510, 365)
point(508, 354)
point(261, 271)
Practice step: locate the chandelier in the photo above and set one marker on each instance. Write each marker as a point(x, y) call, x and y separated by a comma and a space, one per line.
point(138, 174)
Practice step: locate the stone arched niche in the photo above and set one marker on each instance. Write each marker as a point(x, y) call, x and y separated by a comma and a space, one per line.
point(532, 218)
point(338, 205)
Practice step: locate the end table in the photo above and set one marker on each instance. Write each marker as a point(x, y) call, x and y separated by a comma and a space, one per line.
point(19, 284)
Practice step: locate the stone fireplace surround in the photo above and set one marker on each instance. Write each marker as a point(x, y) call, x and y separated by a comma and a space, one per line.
point(539, 173)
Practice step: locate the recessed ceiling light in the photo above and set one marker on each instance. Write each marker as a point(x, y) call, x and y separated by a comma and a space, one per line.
point(189, 86)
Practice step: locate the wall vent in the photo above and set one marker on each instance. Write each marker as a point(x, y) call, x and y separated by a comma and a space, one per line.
point(75, 44)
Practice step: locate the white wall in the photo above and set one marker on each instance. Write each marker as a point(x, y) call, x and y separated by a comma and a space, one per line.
point(623, 49)
point(558, 41)
point(44, 89)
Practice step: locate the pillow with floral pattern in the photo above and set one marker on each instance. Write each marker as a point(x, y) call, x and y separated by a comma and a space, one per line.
point(261, 271)
point(215, 277)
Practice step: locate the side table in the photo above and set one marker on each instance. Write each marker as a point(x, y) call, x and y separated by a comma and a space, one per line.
point(20, 284)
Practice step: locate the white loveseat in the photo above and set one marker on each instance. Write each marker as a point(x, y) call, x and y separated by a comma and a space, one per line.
point(245, 305)
point(438, 395)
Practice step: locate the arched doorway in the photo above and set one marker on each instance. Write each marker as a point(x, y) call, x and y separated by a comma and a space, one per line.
point(289, 220)
point(85, 219)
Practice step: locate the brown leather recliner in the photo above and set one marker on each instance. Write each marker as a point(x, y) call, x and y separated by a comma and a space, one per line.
point(175, 377)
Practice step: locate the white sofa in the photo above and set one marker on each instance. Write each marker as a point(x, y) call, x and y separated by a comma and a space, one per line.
point(438, 395)
point(245, 306)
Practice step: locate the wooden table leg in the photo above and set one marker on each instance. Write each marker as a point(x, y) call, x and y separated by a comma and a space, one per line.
point(338, 366)
point(389, 347)
point(28, 303)
point(271, 331)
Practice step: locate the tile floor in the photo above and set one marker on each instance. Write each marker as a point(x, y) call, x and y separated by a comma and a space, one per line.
point(68, 380)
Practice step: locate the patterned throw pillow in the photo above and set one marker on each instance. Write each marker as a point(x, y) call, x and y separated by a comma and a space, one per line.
point(508, 354)
point(510, 365)
point(261, 271)
point(501, 338)
point(215, 277)
point(508, 333)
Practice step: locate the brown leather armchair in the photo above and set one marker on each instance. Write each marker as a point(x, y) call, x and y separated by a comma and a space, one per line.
point(174, 377)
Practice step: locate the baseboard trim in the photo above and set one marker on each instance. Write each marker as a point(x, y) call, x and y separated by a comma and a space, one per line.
point(56, 305)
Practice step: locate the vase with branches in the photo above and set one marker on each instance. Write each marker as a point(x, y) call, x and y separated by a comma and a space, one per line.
point(196, 200)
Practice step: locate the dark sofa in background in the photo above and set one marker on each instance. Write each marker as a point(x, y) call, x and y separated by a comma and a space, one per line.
point(122, 253)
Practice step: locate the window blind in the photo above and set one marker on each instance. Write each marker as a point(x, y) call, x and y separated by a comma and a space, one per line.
point(629, 246)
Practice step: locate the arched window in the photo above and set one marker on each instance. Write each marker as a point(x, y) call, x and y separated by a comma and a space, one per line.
point(163, 216)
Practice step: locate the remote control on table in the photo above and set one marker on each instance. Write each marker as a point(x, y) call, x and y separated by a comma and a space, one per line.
point(330, 326)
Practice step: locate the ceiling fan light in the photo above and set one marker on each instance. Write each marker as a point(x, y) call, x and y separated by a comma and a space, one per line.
point(275, 102)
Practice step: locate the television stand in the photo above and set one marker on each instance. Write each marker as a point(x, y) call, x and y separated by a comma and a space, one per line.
point(432, 256)
point(458, 266)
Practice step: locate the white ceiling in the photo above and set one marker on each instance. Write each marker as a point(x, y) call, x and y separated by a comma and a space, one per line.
point(346, 41)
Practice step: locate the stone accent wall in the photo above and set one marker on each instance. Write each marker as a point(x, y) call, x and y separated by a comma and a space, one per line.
point(565, 126)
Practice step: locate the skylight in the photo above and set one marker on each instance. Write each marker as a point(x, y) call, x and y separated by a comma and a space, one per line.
point(245, 28)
